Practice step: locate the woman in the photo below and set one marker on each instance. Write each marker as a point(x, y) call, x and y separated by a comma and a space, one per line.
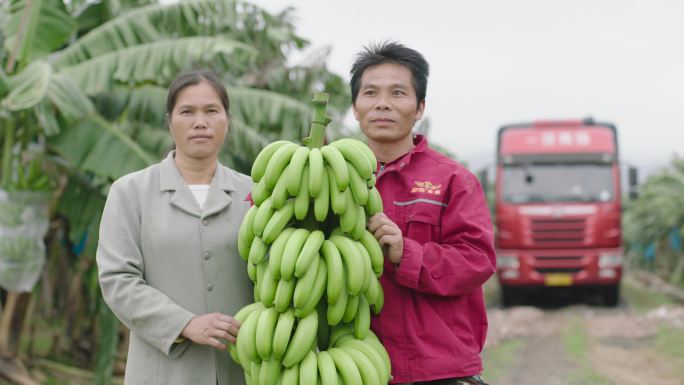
point(167, 255)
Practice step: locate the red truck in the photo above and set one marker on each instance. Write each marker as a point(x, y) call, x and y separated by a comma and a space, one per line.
point(558, 208)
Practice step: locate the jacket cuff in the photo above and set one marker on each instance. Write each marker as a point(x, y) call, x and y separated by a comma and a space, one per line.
point(408, 273)
point(178, 347)
point(174, 347)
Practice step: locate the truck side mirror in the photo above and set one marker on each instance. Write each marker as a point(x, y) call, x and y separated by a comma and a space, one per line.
point(633, 180)
point(482, 176)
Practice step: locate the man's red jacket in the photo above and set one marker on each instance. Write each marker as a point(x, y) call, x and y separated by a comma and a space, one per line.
point(434, 321)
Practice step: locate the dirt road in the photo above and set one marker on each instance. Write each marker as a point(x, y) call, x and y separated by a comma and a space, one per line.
point(572, 342)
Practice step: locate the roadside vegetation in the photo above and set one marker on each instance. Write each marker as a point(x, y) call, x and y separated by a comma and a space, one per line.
point(654, 224)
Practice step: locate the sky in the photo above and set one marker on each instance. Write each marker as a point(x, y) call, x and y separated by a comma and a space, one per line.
point(495, 62)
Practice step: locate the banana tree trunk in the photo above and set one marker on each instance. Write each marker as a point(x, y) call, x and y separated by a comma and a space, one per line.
point(23, 225)
point(12, 323)
point(12, 320)
point(15, 371)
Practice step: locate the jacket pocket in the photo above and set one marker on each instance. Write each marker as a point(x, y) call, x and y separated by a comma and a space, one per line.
point(449, 333)
point(422, 218)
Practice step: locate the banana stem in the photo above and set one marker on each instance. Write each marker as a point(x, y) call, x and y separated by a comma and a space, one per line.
point(319, 121)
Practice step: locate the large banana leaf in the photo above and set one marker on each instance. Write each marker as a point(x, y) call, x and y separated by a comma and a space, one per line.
point(38, 87)
point(279, 115)
point(152, 23)
point(69, 100)
point(43, 25)
point(90, 15)
point(97, 146)
point(4, 83)
point(147, 104)
point(82, 202)
point(28, 88)
point(154, 139)
point(243, 145)
point(65, 97)
point(157, 62)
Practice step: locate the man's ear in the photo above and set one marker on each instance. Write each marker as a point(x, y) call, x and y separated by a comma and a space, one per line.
point(421, 109)
point(356, 113)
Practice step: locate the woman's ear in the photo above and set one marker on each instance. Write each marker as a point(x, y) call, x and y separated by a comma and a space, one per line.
point(227, 138)
point(167, 121)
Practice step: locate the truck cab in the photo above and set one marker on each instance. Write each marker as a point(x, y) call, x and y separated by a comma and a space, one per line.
point(558, 208)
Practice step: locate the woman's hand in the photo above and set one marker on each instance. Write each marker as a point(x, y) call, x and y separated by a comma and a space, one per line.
point(388, 235)
point(210, 329)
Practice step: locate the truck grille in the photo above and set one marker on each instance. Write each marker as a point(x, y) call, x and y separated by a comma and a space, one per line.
point(558, 233)
point(569, 270)
point(558, 258)
point(545, 264)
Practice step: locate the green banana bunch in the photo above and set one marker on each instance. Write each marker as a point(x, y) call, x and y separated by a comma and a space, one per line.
point(314, 266)
point(277, 347)
point(317, 291)
point(339, 176)
point(31, 176)
point(302, 339)
point(282, 333)
point(246, 233)
point(241, 316)
point(266, 325)
point(308, 369)
point(305, 284)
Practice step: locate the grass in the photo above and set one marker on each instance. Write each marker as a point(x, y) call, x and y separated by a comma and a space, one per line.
point(41, 341)
point(586, 376)
point(669, 341)
point(577, 347)
point(575, 341)
point(643, 300)
point(497, 359)
point(491, 291)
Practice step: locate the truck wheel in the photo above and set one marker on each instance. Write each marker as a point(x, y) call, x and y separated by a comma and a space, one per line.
point(611, 295)
point(508, 296)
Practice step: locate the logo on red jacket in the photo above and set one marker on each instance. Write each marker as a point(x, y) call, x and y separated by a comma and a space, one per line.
point(426, 187)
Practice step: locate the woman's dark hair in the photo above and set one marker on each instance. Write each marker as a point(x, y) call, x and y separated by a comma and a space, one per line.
point(391, 52)
point(192, 78)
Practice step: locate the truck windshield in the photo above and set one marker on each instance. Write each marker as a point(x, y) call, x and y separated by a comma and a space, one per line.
point(557, 183)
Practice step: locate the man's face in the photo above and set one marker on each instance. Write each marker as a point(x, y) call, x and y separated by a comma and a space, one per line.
point(386, 104)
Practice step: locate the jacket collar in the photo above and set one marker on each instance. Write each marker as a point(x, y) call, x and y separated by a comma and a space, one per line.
point(217, 198)
point(420, 145)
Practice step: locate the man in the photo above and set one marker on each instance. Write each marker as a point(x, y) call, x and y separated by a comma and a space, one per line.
point(435, 230)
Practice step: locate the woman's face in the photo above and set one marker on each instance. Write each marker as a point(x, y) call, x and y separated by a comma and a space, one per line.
point(198, 122)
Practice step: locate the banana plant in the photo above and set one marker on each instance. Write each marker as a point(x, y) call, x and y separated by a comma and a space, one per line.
point(658, 214)
point(124, 64)
point(83, 84)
